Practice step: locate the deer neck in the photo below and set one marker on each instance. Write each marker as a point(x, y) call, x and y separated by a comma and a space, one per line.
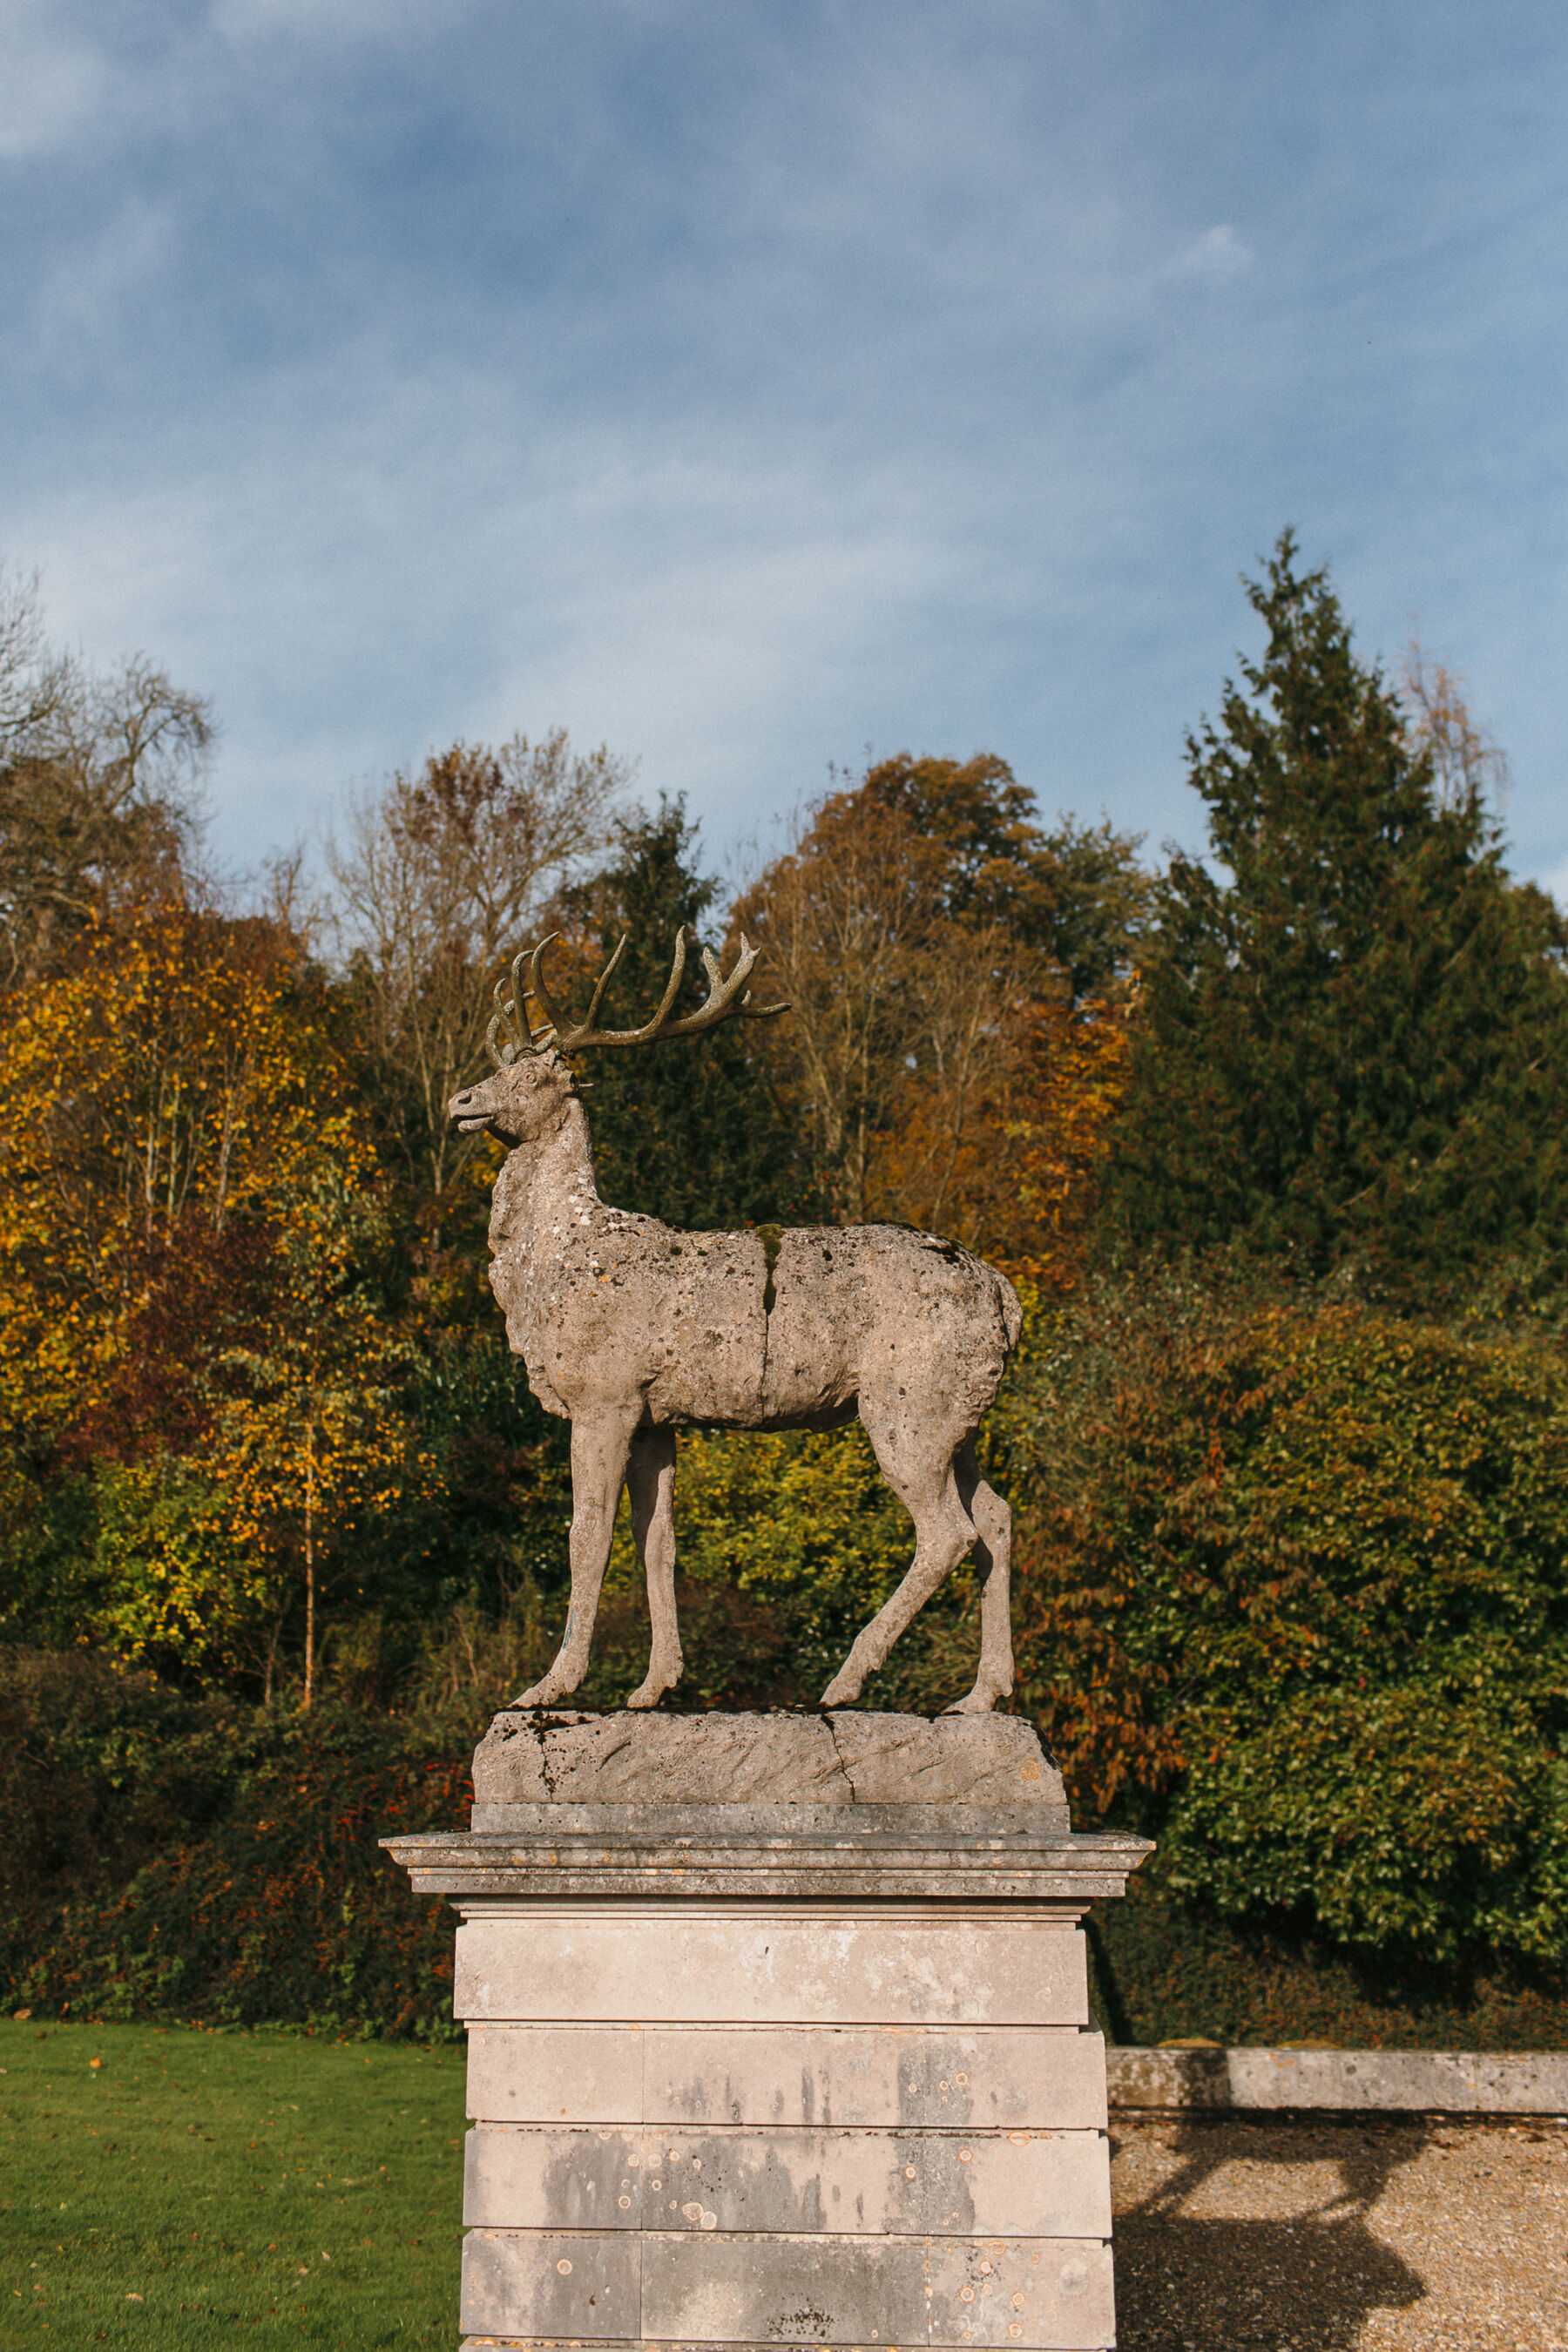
point(548, 1185)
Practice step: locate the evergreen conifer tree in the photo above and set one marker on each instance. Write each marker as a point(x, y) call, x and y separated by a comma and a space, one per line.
point(689, 1131)
point(1355, 1027)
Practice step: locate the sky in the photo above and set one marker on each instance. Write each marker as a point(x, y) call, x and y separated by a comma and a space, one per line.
point(757, 385)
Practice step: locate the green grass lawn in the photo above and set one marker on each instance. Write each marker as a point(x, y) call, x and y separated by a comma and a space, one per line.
point(184, 2189)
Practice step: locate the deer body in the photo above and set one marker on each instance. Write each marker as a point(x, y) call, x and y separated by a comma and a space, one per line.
point(629, 1329)
point(711, 1328)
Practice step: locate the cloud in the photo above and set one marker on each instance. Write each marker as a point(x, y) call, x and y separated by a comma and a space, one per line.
point(53, 80)
point(744, 384)
point(450, 558)
point(323, 21)
point(79, 307)
point(1216, 257)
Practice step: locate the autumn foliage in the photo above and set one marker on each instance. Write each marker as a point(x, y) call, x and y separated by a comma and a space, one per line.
point(1270, 1142)
point(1295, 1589)
point(959, 983)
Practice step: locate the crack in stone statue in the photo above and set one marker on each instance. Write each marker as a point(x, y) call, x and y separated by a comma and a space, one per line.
point(630, 1329)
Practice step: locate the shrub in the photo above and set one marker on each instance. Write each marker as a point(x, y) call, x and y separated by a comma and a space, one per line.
point(172, 1857)
point(1295, 1599)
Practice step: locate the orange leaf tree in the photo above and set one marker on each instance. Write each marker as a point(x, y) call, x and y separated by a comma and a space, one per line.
point(957, 978)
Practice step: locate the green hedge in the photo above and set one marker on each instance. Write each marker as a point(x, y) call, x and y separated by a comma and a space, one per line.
point(1294, 1599)
point(166, 1858)
point(1165, 1971)
point(172, 1858)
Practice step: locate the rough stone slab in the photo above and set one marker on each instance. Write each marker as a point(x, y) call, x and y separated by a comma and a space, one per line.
point(680, 1968)
point(1011, 2077)
point(787, 1867)
point(841, 1757)
point(958, 1759)
point(1408, 2082)
point(718, 2289)
point(584, 2286)
point(879, 1827)
point(855, 2183)
point(833, 2290)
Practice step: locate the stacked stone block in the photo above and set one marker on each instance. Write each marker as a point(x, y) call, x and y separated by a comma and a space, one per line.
point(761, 2052)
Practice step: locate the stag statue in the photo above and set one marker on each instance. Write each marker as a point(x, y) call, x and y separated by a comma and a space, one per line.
point(630, 1329)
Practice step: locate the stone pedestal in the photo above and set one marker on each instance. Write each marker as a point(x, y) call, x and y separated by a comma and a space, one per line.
point(778, 2033)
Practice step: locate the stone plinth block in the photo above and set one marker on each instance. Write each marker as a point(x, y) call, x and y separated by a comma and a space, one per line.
point(778, 2034)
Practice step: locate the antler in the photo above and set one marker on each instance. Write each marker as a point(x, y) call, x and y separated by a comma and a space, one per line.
point(511, 1015)
point(724, 996)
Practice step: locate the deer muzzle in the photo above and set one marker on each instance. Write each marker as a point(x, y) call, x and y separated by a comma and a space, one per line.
point(468, 1112)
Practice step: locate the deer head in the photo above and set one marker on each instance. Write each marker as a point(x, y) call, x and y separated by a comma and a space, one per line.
point(534, 1079)
point(521, 1104)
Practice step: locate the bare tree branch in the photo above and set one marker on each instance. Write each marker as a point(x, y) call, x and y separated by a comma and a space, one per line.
point(100, 788)
point(439, 875)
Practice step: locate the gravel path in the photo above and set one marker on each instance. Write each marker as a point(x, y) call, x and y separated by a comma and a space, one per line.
point(1399, 2236)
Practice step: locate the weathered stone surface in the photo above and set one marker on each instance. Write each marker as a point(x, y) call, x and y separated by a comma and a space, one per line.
point(673, 1965)
point(853, 2183)
point(561, 2285)
point(715, 2288)
point(958, 1759)
point(1418, 2082)
point(835, 1758)
point(752, 2067)
point(901, 2076)
point(632, 1331)
point(833, 1870)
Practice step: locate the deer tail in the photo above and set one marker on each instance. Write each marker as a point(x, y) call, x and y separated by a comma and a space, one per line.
point(1008, 1305)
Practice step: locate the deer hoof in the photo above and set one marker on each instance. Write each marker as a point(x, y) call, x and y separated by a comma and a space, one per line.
point(545, 1694)
point(979, 1702)
point(843, 1690)
point(649, 1694)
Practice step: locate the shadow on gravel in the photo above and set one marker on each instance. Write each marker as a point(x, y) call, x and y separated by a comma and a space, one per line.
point(1248, 2233)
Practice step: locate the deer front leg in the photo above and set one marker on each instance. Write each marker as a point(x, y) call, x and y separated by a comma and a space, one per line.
point(650, 1488)
point(599, 1451)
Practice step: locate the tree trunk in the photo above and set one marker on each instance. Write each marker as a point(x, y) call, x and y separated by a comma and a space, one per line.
point(309, 1562)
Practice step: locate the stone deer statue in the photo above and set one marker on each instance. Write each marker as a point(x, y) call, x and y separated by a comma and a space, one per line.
point(630, 1329)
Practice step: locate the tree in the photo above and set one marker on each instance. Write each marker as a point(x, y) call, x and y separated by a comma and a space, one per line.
point(309, 1438)
point(1352, 1051)
point(100, 790)
point(1294, 1598)
point(440, 877)
point(193, 1313)
point(690, 1132)
point(153, 1103)
point(31, 682)
point(1076, 896)
point(935, 945)
point(1465, 763)
point(1020, 1174)
point(849, 922)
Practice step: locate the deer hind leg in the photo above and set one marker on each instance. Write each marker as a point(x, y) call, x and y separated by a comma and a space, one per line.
point(993, 1557)
point(650, 1485)
point(919, 1471)
point(599, 1451)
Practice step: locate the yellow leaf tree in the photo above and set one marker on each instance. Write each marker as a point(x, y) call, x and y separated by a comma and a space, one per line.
point(310, 1439)
point(188, 1234)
